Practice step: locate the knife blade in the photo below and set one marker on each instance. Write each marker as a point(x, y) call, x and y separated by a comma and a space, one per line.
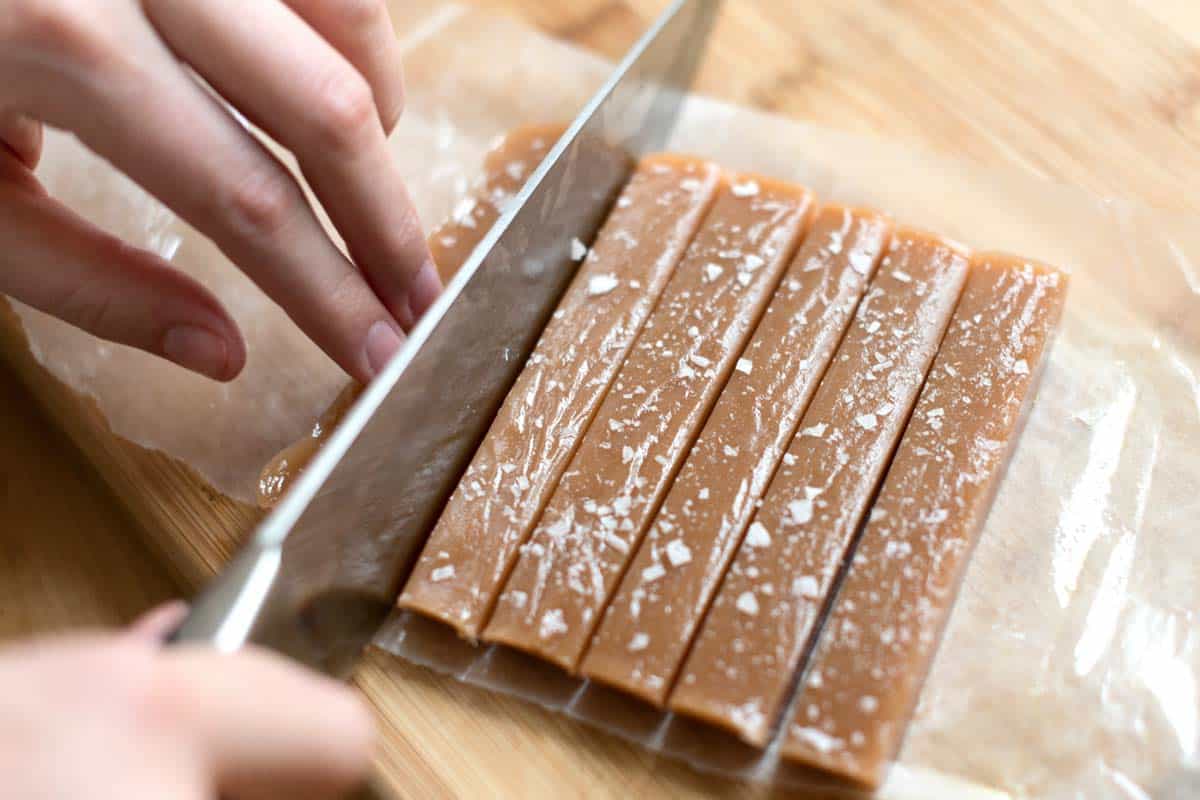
point(321, 572)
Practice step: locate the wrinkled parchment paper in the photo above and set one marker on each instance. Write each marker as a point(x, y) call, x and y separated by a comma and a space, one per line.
point(1070, 666)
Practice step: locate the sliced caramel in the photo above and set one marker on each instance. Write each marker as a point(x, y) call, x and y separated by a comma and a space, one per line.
point(518, 465)
point(744, 658)
point(646, 424)
point(882, 632)
point(645, 632)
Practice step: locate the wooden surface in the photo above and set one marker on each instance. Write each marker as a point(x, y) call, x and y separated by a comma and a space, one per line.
point(1105, 95)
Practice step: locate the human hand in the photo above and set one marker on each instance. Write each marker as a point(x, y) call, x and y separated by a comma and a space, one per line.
point(119, 716)
point(322, 77)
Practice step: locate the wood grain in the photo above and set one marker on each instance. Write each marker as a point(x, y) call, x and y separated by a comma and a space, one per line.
point(1104, 94)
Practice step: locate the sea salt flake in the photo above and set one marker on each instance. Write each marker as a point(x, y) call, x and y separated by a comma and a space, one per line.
point(753, 262)
point(744, 365)
point(868, 704)
point(747, 603)
point(601, 284)
point(443, 573)
point(712, 271)
point(818, 740)
point(901, 276)
point(1021, 367)
point(653, 573)
point(789, 459)
point(700, 361)
point(757, 535)
point(800, 511)
point(552, 624)
point(817, 430)
point(867, 421)
point(578, 249)
point(744, 278)
point(703, 493)
point(678, 553)
point(639, 642)
point(626, 454)
point(730, 451)
point(806, 586)
point(885, 409)
point(747, 189)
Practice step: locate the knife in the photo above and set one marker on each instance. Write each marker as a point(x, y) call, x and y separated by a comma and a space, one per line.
point(320, 574)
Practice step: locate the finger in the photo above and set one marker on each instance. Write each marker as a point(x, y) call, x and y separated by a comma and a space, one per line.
point(265, 727)
point(57, 262)
point(23, 136)
point(158, 622)
point(302, 92)
point(361, 30)
point(149, 118)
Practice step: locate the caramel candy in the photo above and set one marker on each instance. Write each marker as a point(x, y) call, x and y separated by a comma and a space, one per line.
point(647, 628)
point(882, 632)
point(642, 431)
point(506, 167)
point(516, 468)
point(750, 643)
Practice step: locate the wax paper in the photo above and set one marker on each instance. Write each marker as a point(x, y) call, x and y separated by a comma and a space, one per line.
point(1070, 664)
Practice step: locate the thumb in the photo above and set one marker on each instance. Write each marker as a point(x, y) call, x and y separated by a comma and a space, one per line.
point(266, 727)
point(59, 263)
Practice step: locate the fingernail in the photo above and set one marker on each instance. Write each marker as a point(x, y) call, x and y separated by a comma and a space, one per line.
point(197, 349)
point(382, 343)
point(426, 287)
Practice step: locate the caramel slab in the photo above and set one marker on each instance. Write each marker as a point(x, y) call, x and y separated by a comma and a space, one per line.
point(746, 654)
point(645, 632)
point(642, 432)
point(882, 632)
point(518, 465)
point(506, 167)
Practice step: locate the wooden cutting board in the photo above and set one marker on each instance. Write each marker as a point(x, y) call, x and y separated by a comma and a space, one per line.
point(1105, 95)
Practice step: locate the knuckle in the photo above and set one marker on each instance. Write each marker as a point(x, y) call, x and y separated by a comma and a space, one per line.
point(67, 27)
point(347, 292)
point(360, 15)
point(262, 202)
point(88, 305)
point(345, 113)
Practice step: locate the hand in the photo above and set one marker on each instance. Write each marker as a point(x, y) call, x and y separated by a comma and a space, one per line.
point(322, 77)
point(119, 716)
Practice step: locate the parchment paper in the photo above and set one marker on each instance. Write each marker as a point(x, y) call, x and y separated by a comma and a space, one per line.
point(1070, 664)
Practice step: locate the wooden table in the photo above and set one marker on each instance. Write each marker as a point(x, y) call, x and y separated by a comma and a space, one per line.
point(973, 79)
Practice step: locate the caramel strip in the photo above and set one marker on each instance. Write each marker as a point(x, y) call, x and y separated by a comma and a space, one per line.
point(882, 632)
point(645, 632)
point(743, 660)
point(506, 167)
point(516, 468)
point(642, 432)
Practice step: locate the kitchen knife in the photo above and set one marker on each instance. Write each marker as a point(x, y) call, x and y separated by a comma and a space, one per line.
point(321, 572)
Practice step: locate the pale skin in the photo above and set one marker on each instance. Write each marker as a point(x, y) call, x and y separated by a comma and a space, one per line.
point(118, 715)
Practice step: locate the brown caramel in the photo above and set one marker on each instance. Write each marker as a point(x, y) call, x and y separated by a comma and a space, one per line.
point(751, 641)
point(647, 628)
point(642, 432)
point(518, 465)
point(879, 640)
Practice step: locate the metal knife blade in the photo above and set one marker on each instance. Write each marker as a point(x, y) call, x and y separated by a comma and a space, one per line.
point(322, 571)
